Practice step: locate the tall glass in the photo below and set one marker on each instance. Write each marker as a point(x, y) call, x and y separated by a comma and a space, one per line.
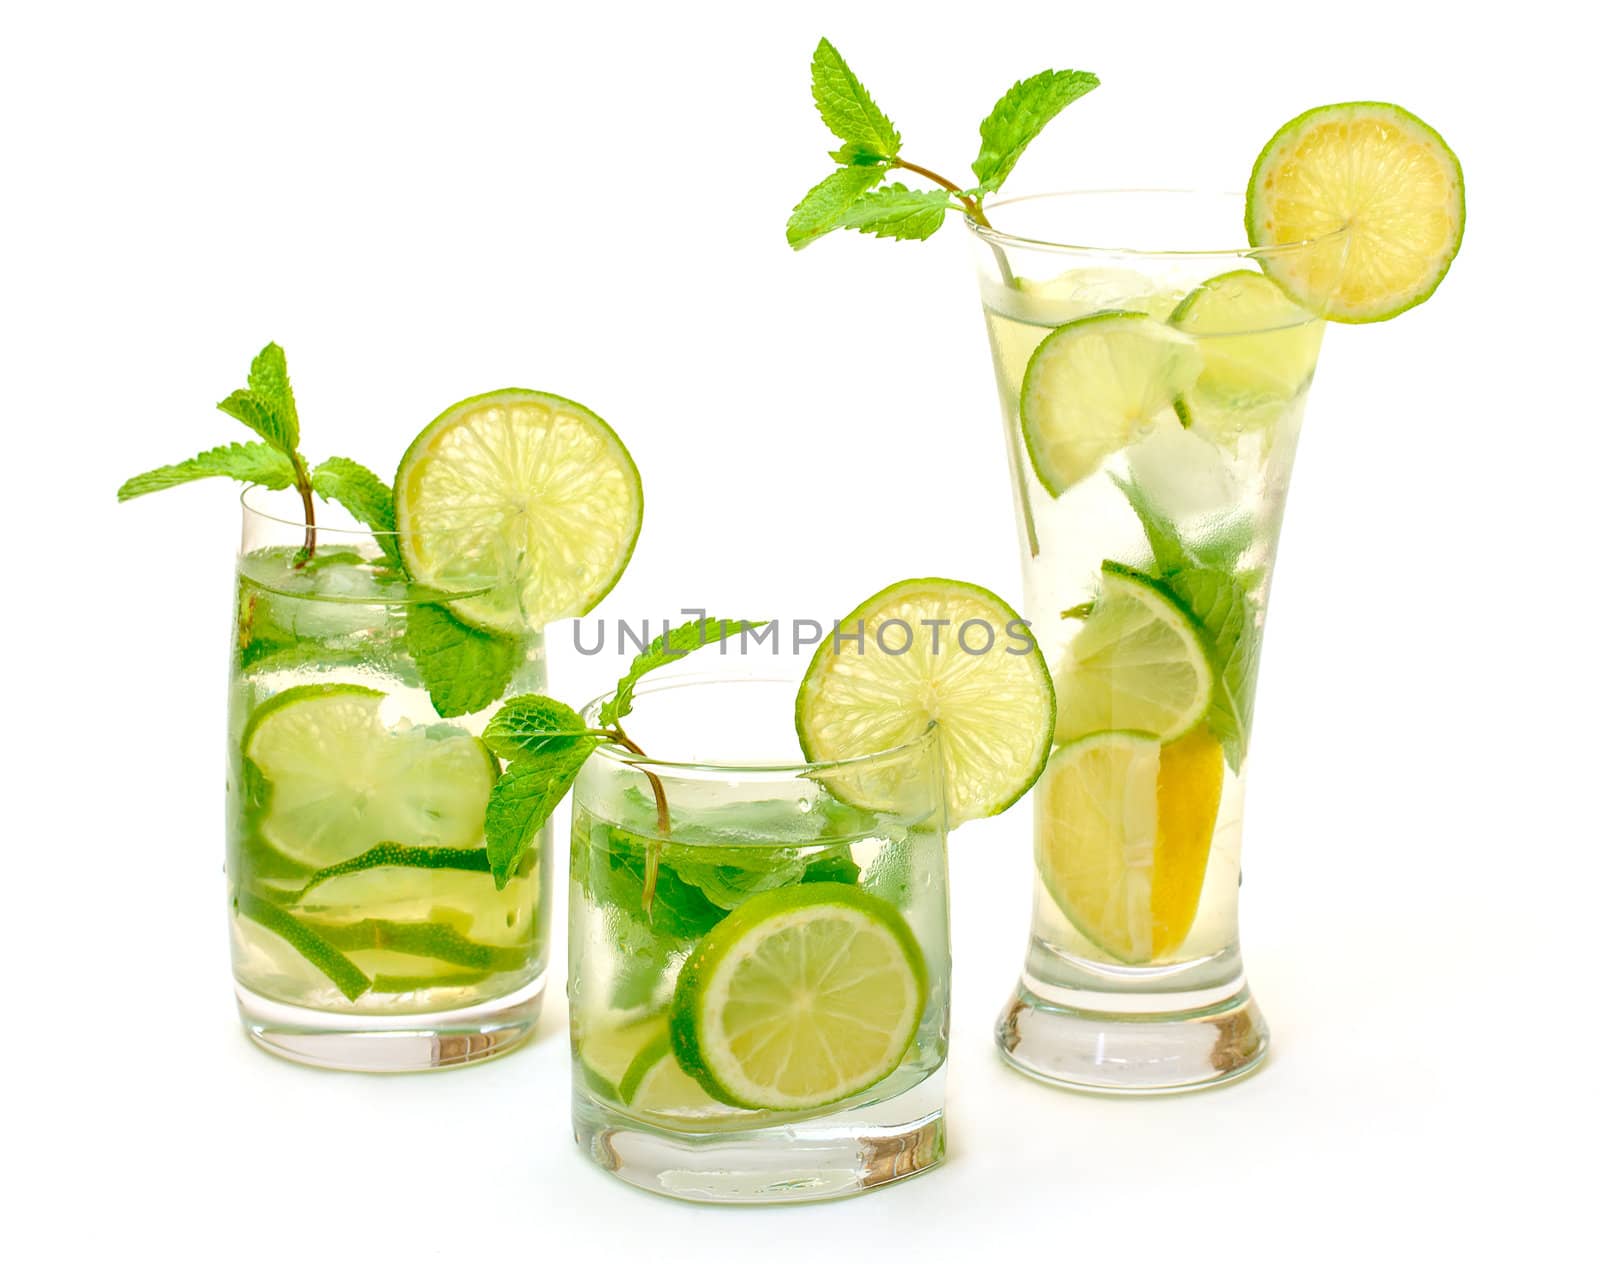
point(759, 962)
point(367, 931)
point(1150, 455)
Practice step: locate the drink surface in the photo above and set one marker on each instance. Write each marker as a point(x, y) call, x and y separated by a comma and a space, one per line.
point(1147, 560)
point(730, 855)
point(357, 872)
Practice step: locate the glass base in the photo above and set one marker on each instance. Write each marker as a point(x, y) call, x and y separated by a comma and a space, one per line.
point(392, 1043)
point(827, 1156)
point(1172, 1043)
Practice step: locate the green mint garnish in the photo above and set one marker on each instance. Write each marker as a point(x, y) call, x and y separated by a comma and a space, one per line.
point(463, 668)
point(523, 799)
point(247, 462)
point(1019, 117)
point(850, 196)
point(266, 405)
point(363, 493)
point(533, 725)
point(546, 744)
point(668, 648)
point(1227, 617)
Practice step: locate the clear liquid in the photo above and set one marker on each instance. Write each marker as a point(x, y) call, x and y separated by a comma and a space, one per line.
point(1223, 498)
point(424, 939)
point(624, 963)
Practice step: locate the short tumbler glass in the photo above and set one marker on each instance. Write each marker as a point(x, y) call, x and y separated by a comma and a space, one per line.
point(368, 933)
point(759, 964)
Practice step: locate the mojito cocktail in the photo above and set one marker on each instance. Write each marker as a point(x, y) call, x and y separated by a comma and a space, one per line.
point(388, 900)
point(1153, 352)
point(360, 886)
point(1152, 403)
point(759, 992)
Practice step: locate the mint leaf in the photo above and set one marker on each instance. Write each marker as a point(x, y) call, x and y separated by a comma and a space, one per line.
point(522, 801)
point(363, 493)
point(824, 207)
point(669, 647)
point(728, 876)
point(847, 109)
point(1021, 115)
point(1166, 545)
point(463, 668)
point(854, 155)
point(358, 489)
point(896, 211)
point(267, 404)
point(614, 877)
point(532, 724)
point(1227, 617)
point(247, 462)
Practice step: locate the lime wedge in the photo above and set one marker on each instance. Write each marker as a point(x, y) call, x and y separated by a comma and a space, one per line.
point(801, 997)
point(1122, 836)
point(1384, 191)
point(1137, 663)
point(1258, 348)
point(526, 495)
point(340, 782)
point(978, 675)
point(1094, 385)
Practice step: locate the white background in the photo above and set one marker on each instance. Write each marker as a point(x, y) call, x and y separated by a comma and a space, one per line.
point(422, 203)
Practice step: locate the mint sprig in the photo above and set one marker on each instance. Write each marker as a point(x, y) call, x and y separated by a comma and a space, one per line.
point(267, 406)
point(546, 744)
point(849, 196)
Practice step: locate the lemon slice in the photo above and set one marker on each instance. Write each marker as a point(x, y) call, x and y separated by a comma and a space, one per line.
point(1123, 831)
point(1094, 385)
point(799, 998)
point(1380, 193)
point(528, 500)
point(978, 674)
point(1137, 663)
point(340, 782)
point(1258, 349)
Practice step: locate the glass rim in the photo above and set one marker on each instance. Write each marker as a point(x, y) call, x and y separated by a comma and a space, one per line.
point(995, 237)
point(788, 768)
point(252, 492)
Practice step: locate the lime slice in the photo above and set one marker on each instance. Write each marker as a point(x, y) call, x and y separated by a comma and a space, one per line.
point(1138, 662)
point(466, 902)
point(1384, 191)
point(1122, 836)
point(654, 1084)
point(526, 495)
point(1258, 348)
point(801, 997)
point(1093, 385)
point(982, 679)
point(602, 1056)
point(340, 782)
